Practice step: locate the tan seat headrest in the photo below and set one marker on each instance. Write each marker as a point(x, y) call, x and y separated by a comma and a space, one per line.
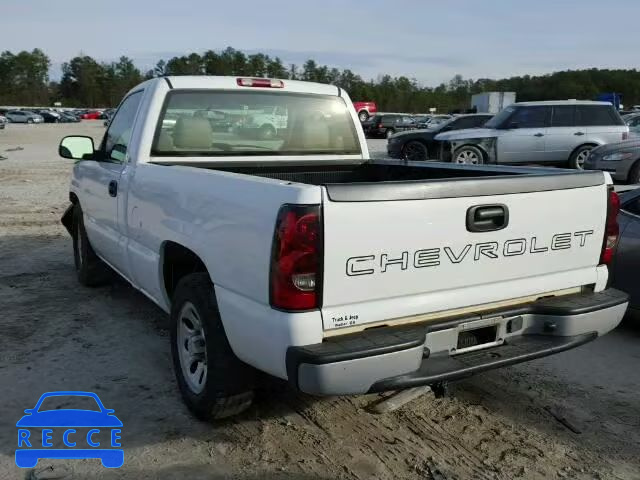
point(193, 133)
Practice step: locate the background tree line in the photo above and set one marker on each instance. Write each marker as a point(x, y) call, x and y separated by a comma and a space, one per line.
point(85, 82)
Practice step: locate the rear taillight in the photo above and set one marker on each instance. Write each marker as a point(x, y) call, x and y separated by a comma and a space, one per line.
point(379, 125)
point(625, 135)
point(296, 258)
point(612, 230)
point(259, 82)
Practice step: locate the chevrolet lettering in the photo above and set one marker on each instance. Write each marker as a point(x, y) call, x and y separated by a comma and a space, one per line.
point(432, 257)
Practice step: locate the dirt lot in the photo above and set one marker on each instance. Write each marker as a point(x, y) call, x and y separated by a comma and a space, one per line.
point(57, 335)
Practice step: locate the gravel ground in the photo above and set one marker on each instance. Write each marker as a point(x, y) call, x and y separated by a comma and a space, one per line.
point(57, 335)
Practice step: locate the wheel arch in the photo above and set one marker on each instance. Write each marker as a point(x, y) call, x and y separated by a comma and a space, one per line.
point(177, 261)
point(585, 144)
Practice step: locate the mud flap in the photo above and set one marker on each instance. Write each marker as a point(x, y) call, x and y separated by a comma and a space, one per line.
point(67, 219)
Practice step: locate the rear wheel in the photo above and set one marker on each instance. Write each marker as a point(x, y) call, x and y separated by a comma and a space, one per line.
point(389, 132)
point(468, 155)
point(363, 116)
point(415, 151)
point(213, 382)
point(579, 156)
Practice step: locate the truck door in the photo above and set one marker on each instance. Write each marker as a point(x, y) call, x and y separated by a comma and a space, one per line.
point(101, 199)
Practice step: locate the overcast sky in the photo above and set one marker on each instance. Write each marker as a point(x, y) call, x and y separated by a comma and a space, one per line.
point(425, 39)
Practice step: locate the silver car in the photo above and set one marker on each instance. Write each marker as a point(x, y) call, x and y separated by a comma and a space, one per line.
point(3, 122)
point(621, 160)
point(557, 132)
point(23, 116)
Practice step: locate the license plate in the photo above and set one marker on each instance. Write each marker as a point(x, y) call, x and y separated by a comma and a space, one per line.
point(478, 335)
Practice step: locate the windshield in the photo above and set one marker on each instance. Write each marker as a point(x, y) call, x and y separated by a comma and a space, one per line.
point(500, 118)
point(223, 123)
point(65, 402)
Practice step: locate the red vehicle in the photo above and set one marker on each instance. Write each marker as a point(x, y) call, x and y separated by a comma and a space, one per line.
point(92, 115)
point(365, 110)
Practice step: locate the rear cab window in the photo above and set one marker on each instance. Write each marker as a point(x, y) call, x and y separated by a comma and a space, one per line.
point(226, 123)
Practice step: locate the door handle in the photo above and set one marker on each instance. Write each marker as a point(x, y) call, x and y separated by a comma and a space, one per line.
point(579, 134)
point(539, 135)
point(487, 218)
point(113, 188)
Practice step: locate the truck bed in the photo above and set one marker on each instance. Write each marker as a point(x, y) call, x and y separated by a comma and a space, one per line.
point(378, 180)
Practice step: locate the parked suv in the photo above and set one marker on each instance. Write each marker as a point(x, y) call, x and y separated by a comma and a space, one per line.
point(537, 132)
point(385, 125)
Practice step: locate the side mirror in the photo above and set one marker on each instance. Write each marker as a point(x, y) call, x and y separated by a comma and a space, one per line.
point(76, 148)
point(29, 411)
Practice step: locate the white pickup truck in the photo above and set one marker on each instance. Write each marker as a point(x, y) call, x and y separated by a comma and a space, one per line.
point(300, 257)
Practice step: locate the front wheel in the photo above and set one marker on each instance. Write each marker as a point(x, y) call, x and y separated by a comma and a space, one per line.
point(415, 151)
point(579, 157)
point(468, 155)
point(267, 132)
point(363, 116)
point(213, 382)
point(389, 132)
point(634, 173)
point(29, 120)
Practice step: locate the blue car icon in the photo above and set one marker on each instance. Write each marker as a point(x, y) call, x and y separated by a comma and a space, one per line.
point(68, 419)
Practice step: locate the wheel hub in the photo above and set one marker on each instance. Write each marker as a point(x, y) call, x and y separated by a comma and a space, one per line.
point(192, 348)
point(467, 157)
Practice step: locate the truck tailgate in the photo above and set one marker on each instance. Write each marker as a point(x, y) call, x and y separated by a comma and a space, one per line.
point(391, 258)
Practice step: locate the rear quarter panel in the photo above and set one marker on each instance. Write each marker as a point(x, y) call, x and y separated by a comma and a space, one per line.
point(600, 135)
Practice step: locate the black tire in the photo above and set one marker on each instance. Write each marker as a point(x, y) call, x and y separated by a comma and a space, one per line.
point(29, 120)
point(634, 173)
point(226, 388)
point(389, 132)
point(415, 151)
point(468, 155)
point(363, 116)
point(578, 157)
point(91, 271)
point(267, 132)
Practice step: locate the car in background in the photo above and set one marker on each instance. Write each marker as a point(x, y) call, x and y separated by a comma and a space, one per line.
point(68, 117)
point(557, 132)
point(3, 122)
point(23, 116)
point(626, 263)
point(633, 122)
point(417, 145)
point(91, 115)
point(435, 120)
point(365, 110)
point(108, 115)
point(49, 117)
point(621, 160)
point(383, 125)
